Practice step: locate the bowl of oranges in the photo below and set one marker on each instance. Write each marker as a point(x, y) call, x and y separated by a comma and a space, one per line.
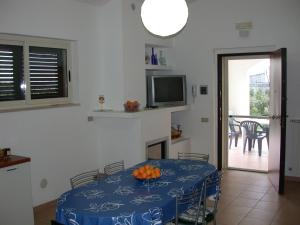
point(131, 106)
point(146, 172)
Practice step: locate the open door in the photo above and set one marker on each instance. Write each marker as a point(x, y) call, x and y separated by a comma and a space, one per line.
point(277, 119)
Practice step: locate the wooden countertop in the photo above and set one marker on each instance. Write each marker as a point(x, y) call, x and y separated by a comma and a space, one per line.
point(13, 160)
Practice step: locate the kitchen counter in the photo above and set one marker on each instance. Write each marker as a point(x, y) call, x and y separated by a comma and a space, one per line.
point(13, 160)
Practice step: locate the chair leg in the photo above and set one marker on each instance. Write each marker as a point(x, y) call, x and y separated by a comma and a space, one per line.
point(236, 140)
point(259, 141)
point(253, 143)
point(230, 141)
point(245, 142)
point(249, 144)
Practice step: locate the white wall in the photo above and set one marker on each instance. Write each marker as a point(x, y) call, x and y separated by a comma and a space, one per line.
point(59, 141)
point(133, 52)
point(111, 71)
point(62, 143)
point(211, 26)
point(238, 87)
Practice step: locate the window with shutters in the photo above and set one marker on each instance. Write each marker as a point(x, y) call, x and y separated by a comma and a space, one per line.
point(34, 71)
point(11, 73)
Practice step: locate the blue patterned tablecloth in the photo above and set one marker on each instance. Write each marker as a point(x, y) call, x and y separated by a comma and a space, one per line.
point(120, 199)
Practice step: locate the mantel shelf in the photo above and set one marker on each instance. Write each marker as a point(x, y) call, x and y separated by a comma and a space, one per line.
point(132, 115)
point(157, 67)
point(177, 140)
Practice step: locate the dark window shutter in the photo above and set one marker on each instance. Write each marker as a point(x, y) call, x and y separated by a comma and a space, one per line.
point(48, 72)
point(11, 73)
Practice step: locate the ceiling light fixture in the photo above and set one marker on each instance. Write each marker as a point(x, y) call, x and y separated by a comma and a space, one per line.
point(164, 18)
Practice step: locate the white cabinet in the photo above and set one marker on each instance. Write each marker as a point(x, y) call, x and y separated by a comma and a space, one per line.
point(15, 195)
point(180, 145)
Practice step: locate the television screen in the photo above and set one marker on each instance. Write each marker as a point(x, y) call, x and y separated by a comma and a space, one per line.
point(168, 89)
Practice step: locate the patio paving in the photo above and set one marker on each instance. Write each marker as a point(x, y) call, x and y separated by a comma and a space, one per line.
point(249, 160)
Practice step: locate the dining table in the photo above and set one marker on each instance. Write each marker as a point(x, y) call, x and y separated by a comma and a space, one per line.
point(121, 199)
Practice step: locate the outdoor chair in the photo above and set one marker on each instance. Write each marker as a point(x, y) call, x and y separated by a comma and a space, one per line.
point(253, 131)
point(234, 131)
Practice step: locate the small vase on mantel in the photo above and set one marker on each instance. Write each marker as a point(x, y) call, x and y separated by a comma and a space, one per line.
point(162, 59)
point(154, 60)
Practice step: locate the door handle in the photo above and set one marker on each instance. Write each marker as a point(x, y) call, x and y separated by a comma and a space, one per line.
point(275, 117)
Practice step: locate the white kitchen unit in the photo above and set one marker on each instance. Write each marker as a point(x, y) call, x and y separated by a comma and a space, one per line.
point(15, 192)
point(125, 136)
point(179, 145)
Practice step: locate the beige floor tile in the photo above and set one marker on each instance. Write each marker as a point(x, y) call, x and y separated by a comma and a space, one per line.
point(244, 202)
point(254, 221)
point(259, 189)
point(268, 206)
point(242, 208)
point(260, 215)
point(229, 219)
point(251, 195)
point(238, 210)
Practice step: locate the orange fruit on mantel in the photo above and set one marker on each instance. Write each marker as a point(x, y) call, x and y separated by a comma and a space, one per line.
point(146, 172)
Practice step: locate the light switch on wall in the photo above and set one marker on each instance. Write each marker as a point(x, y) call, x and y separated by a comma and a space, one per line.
point(203, 90)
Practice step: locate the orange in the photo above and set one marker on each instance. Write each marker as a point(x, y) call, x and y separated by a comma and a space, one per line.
point(144, 175)
point(147, 167)
point(141, 170)
point(135, 173)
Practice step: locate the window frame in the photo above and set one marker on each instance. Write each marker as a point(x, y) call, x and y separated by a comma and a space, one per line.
point(26, 42)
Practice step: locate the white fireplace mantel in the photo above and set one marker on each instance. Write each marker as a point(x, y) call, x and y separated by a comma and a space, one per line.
point(123, 135)
point(131, 115)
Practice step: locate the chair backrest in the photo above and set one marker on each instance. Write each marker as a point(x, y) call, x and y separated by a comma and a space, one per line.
point(84, 178)
point(234, 126)
point(214, 182)
point(193, 156)
point(252, 128)
point(193, 199)
point(53, 222)
point(114, 167)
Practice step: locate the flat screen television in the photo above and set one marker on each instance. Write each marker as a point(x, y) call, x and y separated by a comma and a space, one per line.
point(166, 90)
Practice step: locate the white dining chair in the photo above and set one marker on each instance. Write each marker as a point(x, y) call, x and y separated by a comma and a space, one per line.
point(84, 178)
point(207, 213)
point(193, 156)
point(114, 167)
point(195, 208)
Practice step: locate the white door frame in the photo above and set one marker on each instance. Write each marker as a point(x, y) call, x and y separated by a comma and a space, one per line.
point(216, 53)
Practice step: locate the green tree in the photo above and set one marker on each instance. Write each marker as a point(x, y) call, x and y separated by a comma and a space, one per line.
point(259, 102)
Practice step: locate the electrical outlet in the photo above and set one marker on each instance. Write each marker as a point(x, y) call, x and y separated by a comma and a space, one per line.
point(290, 169)
point(204, 120)
point(44, 183)
point(90, 118)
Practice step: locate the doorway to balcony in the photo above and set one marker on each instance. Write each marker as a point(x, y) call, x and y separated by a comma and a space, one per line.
point(248, 94)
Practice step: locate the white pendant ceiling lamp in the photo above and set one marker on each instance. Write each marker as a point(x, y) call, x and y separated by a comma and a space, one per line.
point(164, 17)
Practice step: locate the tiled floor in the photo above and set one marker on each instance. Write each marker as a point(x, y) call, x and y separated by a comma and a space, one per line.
point(247, 199)
point(249, 160)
